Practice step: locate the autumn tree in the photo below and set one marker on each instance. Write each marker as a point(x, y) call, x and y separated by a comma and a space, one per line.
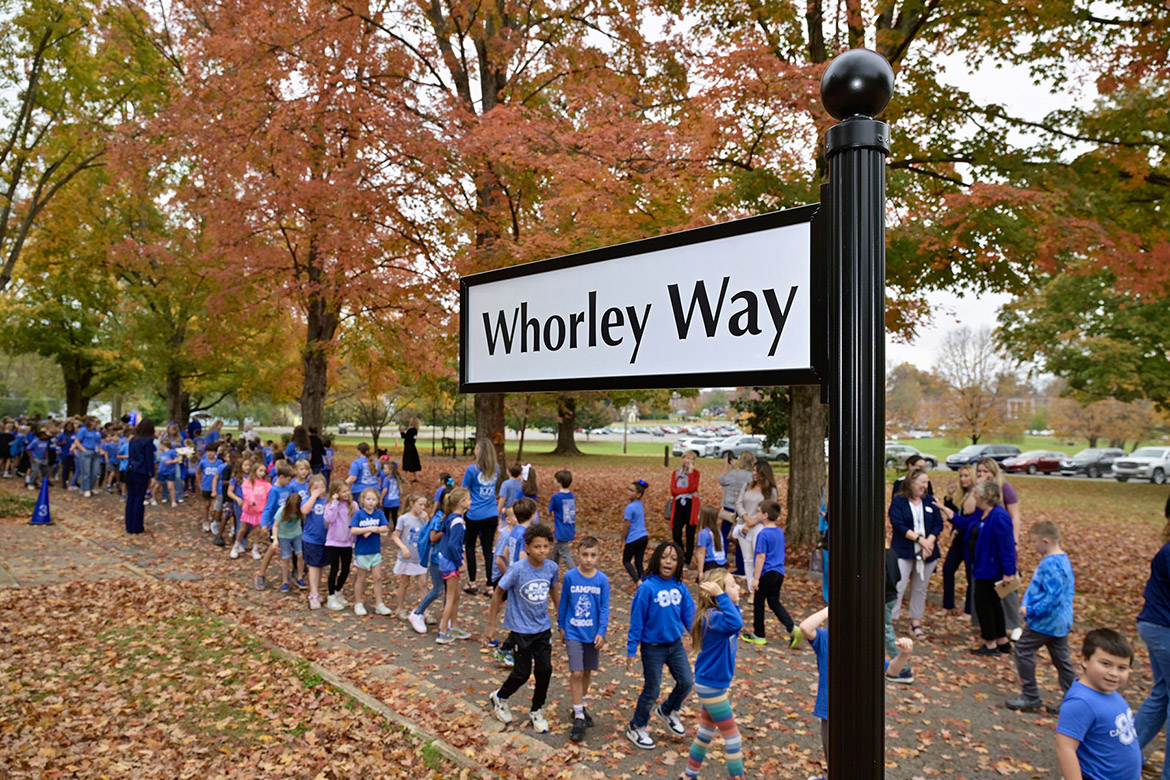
point(970, 363)
point(71, 72)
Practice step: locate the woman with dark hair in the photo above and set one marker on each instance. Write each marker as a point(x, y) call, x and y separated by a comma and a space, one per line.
point(139, 470)
point(316, 450)
point(410, 460)
point(300, 448)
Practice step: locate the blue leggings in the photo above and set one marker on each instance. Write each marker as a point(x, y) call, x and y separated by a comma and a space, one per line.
point(438, 587)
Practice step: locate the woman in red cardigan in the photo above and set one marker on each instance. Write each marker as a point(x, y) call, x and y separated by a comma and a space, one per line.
point(684, 511)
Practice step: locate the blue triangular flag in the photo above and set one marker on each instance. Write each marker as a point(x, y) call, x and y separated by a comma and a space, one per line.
point(41, 510)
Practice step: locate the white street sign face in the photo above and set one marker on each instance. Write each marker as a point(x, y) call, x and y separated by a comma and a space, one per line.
point(731, 303)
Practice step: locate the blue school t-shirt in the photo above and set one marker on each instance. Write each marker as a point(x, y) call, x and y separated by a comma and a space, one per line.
point(208, 470)
point(123, 449)
point(583, 613)
point(636, 516)
point(315, 530)
point(820, 646)
point(515, 544)
point(1103, 724)
point(292, 454)
point(110, 448)
point(372, 544)
point(393, 495)
point(510, 491)
point(706, 540)
point(528, 591)
point(38, 449)
point(365, 477)
point(483, 493)
point(564, 511)
point(167, 469)
point(770, 542)
point(501, 551)
point(89, 439)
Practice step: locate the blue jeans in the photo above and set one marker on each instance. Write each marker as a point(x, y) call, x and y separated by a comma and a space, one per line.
point(88, 468)
point(1152, 714)
point(654, 657)
point(438, 587)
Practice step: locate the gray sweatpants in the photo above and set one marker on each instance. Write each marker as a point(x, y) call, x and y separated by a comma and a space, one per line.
point(1027, 646)
point(561, 552)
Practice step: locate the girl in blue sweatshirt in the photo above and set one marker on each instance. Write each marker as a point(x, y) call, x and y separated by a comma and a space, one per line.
point(449, 556)
point(662, 612)
point(714, 632)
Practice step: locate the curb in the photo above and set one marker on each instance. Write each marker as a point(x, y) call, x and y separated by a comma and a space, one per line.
point(448, 751)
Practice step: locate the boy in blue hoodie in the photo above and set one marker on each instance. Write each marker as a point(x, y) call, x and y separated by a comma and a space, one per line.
point(583, 617)
point(1048, 609)
point(281, 488)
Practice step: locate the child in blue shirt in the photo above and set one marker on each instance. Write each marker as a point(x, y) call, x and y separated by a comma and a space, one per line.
point(449, 556)
point(563, 506)
point(1048, 609)
point(635, 533)
point(327, 466)
point(768, 576)
point(391, 490)
point(716, 628)
point(811, 628)
point(529, 584)
point(510, 488)
point(277, 496)
point(368, 525)
point(38, 456)
point(168, 463)
point(661, 613)
point(210, 468)
point(710, 540)
point(1095, 735)
point(583, 617)
point(520, 516)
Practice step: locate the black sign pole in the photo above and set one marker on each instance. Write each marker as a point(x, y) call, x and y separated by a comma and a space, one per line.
point(856, 87)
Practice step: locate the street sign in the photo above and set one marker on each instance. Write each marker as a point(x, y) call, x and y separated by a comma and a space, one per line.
point(730, 304)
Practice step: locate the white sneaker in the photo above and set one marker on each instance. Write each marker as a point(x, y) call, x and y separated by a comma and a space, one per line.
point(672, 721)
point(417, 623)
point(360, 609)
point(382, 609)
point(206, 527)
point(256, 553)
point(235, 553)
point(640, 738)
point(539, 724)
point(173, 505)
point(87, 494)
point(501, 709)
point(341, 599)
point(153, 502)
point(215, 527)
point(402, 614)
point(1016, 634)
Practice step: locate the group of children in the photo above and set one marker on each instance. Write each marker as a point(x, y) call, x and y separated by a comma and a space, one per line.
point(272, 500)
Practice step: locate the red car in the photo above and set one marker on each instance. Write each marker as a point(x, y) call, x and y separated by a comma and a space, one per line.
point(1035, 462)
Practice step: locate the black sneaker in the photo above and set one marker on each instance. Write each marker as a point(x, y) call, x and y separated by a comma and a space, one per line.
point(218, 541)
point(588, 720)
point(984, 650)
point(1006, 648)
point(578, 732)
point(1022, 704)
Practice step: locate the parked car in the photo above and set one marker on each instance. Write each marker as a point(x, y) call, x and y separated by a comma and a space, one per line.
point(345, 427)
point(1152, 463)
point(1035, 462)
point(700, 445)
point(973, 453)
point(1092, 462)
point(896, 454)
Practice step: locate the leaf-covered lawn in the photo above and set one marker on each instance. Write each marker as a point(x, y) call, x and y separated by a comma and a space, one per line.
point(124, 679)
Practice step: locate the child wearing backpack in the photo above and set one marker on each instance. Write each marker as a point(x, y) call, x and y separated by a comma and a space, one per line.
point(583, 618)
point(429, 536)
point(451, 565)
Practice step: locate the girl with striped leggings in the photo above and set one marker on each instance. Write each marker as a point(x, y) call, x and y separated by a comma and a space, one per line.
point(716, 628)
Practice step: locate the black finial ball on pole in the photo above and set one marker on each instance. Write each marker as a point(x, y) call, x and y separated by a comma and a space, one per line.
point(858, 82)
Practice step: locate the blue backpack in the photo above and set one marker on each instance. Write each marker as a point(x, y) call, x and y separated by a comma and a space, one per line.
point(424, 538)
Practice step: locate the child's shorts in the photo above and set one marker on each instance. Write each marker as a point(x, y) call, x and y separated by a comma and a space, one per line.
point(450, 575)
point(367, 562)
point(315, 554)
point(217, 506)
point(582, 655)
point(206, 495)
point(409, 568)
point(290, 546)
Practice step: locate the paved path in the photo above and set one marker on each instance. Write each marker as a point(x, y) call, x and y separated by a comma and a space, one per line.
point(949, 724)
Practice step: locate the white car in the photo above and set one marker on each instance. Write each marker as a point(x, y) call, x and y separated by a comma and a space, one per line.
point(703, 446)
point(1152, 463)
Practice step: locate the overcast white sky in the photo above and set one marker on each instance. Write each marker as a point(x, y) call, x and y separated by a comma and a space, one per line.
point(1014, 88)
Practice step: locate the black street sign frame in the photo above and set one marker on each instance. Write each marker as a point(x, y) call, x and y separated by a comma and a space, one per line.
point(811, 214)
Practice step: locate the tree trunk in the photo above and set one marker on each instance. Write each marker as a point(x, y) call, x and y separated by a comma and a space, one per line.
point(1092, 441)
point(523, 428)
point(489, 421)
point(322, 324)
point(116, 407)
point(76, 399)
point(566, 425)
point(177, 400)
point(806, 476)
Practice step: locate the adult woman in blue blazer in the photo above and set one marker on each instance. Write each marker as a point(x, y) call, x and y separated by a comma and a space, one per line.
point(917, 521)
